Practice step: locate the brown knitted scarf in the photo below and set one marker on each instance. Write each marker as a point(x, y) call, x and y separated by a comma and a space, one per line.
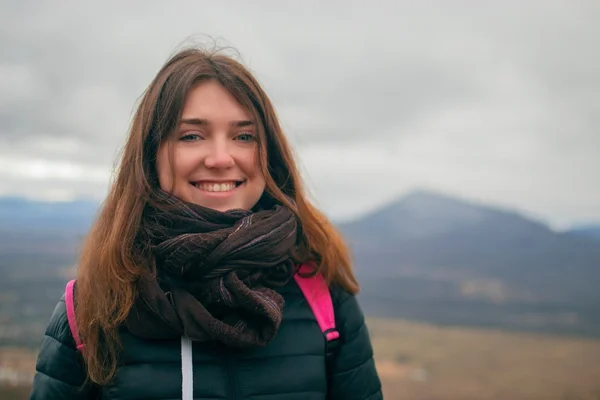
point(214, 273)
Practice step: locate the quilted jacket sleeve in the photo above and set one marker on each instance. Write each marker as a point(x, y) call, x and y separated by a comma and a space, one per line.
point(353, 373)
point(60, 373)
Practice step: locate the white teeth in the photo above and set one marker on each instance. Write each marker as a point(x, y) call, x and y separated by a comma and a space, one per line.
point(216, 187)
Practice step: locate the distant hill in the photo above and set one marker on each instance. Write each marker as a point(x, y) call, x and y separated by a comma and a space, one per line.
point(440, 259)
point(589, 231)
point(37, 226)
point(18, 214)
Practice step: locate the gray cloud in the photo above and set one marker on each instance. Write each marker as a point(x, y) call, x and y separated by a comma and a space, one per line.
point(496, 101)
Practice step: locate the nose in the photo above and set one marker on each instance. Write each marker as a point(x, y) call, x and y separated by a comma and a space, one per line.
point(219, 156)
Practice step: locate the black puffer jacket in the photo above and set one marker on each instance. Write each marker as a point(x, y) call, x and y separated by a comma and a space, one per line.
point(292, 366)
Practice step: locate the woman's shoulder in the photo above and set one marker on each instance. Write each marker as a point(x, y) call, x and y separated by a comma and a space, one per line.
point(345, 305)
point(339, 295)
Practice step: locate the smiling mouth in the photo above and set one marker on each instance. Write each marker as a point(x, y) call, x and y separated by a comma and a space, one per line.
point(217, 187)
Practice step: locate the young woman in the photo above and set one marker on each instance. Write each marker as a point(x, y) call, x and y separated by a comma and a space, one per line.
point(187, 285)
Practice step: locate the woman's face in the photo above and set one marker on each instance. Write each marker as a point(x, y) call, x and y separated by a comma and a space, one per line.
point(215, 152)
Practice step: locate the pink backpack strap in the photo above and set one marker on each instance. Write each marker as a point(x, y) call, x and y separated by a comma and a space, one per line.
point(317, 295)
point(71, 314)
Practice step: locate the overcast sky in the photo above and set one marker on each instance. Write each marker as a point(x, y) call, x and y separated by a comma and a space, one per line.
point(497, 102)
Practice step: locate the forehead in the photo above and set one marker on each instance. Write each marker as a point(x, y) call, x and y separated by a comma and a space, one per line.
point(211, 101)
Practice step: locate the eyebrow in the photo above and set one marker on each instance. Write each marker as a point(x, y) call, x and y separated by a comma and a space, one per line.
point(205, 122)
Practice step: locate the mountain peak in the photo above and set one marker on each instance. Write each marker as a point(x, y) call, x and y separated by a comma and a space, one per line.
point(424, 213)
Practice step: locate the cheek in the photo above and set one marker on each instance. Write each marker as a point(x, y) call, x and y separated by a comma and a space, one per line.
point(251, 166)
point(259, 173)
point(258, 178)
point(163, 169)
point(170, 170)
point(185, 162)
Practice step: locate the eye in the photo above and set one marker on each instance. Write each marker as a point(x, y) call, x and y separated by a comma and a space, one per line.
point(245, 137)
point(190, 137)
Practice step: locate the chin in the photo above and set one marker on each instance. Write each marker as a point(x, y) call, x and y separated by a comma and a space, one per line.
point(221, 207)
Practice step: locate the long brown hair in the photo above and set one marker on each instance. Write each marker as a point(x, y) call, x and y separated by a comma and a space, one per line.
point(112, 259)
